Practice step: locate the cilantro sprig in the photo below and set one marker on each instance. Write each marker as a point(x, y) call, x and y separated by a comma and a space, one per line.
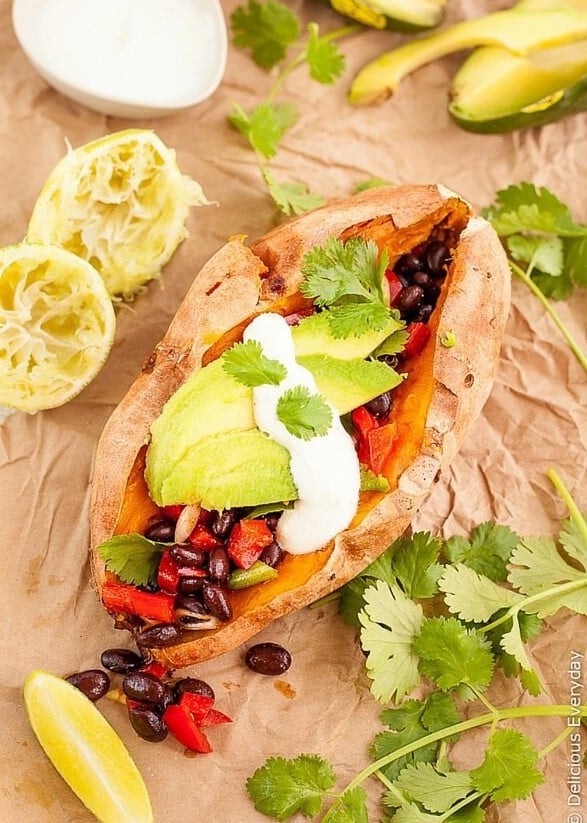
point(247, 364)
point(444, 615)
point(547, 249)
point(133, 557)
point(271, 31)
point(304, 413)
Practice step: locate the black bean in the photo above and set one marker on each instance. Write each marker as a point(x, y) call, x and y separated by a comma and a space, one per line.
point(436, 257)
point(432, 291)
point(193, 685)
point(216, 600)
point(219, 565)
point(392, 360)
point(159, 635)
point(420, 278)
point(190, 603)
point(190, 585)
point(272, 520)
point(409, 299)
point(145, 687)
point(147, 723)
point(380, 405)
point(424, 312)
point(94, 683)
point(224, 521)
point(162, 530)
point(268, 658)
point(408, 264)
point(271, 554)
point(187, 555)
point(121, 661)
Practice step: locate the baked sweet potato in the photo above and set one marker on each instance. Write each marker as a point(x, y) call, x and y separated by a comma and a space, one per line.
point(448, 378)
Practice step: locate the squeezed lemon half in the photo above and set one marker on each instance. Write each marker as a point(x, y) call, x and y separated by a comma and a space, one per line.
point(85, 750)
point(57, 326)
point(120, 203)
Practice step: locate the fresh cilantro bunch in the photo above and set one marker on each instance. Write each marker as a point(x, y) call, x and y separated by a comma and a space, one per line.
point(441, 616)
point(271, 30)
point(547, 248)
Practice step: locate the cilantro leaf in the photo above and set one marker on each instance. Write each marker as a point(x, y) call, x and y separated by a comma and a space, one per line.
point(452, 655)
point(473, 597)
point(414, 564)
point(528, 626)
point(351, 599)
point(573, 542)
point(390, 621)
point(526, 208)
point(435, 792)
point(513, 645)
point(325, 61)
point(289, 197)
point(354, 319)
point(393, 344)
point(132, 557)
point(576, 260)
point(264, 126)
point(372, 183)
point(352, 808)
point(487, 552)
point(268, 29)
point(538, 568)
point(543, 253)
point(305, 415)
point(371, 482)
point(508, 770)
point(247, 364)
point(338, 270)
point(281, 787)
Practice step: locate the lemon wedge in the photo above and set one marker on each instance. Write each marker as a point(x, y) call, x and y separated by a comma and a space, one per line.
point(120, 203)
point(57, 326)
point(85, 750)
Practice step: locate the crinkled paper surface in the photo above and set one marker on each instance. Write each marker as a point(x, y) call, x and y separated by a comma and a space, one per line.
point(535, 418)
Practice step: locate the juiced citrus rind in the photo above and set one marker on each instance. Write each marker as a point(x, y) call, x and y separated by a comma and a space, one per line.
point(119, 202)
point(86, 751)
point(57, 326)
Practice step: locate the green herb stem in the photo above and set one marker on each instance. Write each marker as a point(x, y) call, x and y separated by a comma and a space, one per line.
point(564, 588)
point(572, 343)
point(578, 518)
point(555, 743)
point(512, 713)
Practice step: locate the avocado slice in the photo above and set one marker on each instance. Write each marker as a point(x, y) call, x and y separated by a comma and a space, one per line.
point(398, 15)
point(313, 335)
point(348, 384)
point(519, 30)
point(497, 91)
point(237, 468)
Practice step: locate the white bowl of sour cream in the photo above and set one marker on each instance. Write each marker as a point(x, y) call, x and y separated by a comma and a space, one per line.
point(126, 58)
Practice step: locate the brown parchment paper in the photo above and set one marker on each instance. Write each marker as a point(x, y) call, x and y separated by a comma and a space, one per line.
point(535, 418)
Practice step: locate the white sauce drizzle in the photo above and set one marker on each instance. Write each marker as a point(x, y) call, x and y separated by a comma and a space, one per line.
point(325, 469)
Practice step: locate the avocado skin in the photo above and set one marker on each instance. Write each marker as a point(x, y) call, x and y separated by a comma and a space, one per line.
point(572, 101)
point(393, 21)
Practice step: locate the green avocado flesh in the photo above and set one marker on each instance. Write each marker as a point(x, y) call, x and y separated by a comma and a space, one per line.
point(521, 31)
point(497, 91)
point(313, 335)
point(205, 448)
point(398, 15)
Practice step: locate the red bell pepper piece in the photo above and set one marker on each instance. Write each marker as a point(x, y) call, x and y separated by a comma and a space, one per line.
point(418, 336)
point(395, 285)
point(247, 540)
point(172, 512)
point(364, 422)
point(203, 538)
point(184, 728)
point(198, 705)
point(156, 669)
point(379, 445)
point(127, 599)
point(168, 573)
point(214, 717)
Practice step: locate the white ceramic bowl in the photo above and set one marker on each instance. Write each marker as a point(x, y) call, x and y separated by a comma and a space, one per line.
point(126, 58)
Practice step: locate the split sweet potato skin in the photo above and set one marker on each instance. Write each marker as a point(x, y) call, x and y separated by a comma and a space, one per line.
point(434, 407)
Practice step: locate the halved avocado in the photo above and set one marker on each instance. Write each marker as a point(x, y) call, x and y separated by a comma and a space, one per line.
point(497, 91)
point(398, 15)
point(519, 30)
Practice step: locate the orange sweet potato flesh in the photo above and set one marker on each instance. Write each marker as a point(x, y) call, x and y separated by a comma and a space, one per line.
point(443, 393)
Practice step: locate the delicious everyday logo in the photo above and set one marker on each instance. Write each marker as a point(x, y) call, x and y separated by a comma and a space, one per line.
point(575, 672)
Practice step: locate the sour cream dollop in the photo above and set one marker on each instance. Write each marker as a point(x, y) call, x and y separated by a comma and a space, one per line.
point(325, 469)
